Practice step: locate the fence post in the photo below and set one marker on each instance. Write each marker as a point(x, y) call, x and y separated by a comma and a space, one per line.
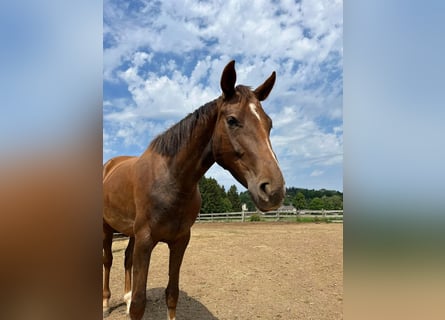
point(243, 212)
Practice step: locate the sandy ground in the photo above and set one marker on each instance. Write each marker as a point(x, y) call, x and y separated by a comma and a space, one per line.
point(246, 271)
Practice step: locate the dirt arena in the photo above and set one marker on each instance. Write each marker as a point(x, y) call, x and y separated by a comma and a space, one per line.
point(246, 271)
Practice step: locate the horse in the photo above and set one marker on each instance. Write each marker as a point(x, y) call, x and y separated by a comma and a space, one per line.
point(155, 197)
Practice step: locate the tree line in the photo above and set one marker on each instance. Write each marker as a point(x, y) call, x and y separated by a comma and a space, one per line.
point(216, 199)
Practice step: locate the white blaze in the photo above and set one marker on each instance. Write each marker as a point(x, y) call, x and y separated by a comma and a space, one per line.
point(255, 112)
point(253, 109)
point(273, 154)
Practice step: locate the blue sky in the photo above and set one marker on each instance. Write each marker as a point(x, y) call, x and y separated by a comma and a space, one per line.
point(163, 59)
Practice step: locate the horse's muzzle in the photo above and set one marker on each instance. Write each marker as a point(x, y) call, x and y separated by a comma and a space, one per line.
point(267, 196)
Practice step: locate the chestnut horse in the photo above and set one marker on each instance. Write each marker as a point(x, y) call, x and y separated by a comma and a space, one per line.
point(155, 198)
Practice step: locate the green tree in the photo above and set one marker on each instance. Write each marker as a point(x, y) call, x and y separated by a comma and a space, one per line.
point(336, 202)
point(225, 205)
point(327, 203)
point(207, 189)
point(245, 198)
point(287, 199)
point(214, 198)
point(316, 204)
point(234, 199)
point(299, 201)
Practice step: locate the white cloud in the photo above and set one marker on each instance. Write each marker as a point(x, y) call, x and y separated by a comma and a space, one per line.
point(316, 173)
point(164, 97)
point(224, 178)
point(301, 41)
point(299, 141)
point(259, 29)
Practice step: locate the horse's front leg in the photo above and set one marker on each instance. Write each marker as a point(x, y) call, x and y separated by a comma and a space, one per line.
point(177, 250)
point(143, 247)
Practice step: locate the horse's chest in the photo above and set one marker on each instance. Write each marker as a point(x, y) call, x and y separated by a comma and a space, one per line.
point(173, 217)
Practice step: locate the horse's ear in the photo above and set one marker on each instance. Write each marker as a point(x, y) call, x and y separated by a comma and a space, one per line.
point(228, 79)
point(263, 90)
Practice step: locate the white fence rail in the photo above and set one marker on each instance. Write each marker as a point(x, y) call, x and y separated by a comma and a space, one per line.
point(335, 215)
point(269, 216)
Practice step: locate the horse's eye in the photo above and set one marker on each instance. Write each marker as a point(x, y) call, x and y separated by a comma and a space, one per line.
point(232, 121)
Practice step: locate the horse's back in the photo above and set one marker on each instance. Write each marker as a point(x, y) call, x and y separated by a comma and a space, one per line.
point(113, 163)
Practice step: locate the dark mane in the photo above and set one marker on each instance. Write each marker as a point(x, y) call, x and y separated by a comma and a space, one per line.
point(173, 139)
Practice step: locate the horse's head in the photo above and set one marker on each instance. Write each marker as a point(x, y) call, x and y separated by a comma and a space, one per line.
point(241, 141)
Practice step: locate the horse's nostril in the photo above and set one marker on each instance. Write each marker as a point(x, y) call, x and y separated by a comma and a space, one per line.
point(263, 187)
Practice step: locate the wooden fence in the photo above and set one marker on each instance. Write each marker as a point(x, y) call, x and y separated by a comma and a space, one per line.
point(335, 215)
point(332, 215)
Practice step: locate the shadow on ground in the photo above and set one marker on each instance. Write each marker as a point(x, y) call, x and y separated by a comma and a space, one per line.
point(156, 309)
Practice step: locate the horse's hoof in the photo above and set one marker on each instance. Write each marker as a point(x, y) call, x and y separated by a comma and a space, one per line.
point(171, 314)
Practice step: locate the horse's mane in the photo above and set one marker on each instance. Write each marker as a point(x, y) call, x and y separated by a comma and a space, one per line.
point(173, 139)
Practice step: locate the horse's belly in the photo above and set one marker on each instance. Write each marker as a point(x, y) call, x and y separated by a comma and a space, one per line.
point(119, 210)
point(119, 221)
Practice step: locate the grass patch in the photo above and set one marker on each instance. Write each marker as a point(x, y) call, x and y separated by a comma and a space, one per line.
point(317, 219)
point(255, 217)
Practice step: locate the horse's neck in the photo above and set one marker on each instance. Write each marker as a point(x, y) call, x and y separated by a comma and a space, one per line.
point(196, 158)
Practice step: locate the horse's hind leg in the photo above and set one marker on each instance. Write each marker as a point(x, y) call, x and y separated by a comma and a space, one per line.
point(177, 250)
point(128, 265)
point(107, 262)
